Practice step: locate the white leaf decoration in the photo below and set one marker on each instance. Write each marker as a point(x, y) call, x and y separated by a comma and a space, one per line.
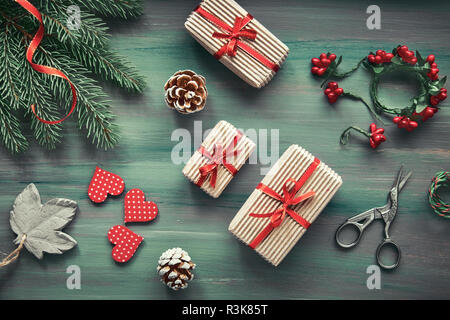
point(42, 224)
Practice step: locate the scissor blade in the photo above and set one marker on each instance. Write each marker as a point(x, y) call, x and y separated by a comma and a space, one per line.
point(399, 176)
point(402, 183)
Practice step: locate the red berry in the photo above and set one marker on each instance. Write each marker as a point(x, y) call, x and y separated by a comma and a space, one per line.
point(430, 58)
point(434, 70)
point(371, 58)
point(388, 57)
point(434, 100)
point(380, 52)
point(332, 98)
point(403, 123)
point(321, 71)
point(403, 48)
point(378, 60)
point(323, 56)
point(444, 90)
point(327, 91)
point(316, 62)
point(396, 120)
point(332, 57)
point(339, 91)
point(325, 62)
point(433, 65)
point(333, 85)
point(442, 96)
point(409, 54)
point(412, 125)
point(413, 60)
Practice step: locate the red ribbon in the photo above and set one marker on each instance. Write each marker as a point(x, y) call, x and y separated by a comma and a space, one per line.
point(287, 199)
point(218, 157)
point(233, 34)
point(40, 68)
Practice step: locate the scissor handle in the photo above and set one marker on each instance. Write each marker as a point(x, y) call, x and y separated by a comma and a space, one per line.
point(358, 226)
point(388, 242)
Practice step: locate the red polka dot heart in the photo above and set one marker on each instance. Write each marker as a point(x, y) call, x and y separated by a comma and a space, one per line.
point(126, 243)
point(104, 183)
point(137, 209)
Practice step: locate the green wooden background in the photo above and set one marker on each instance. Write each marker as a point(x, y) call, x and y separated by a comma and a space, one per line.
point(292, 103)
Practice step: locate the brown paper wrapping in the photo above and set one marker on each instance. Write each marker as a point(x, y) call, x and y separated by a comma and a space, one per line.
point(243, 65)
point(292, 164)
point(223, 133)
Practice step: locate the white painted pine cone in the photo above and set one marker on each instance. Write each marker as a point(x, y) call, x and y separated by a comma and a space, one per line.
point(175, 268)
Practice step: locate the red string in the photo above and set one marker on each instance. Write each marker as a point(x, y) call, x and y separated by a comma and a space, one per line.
point(232, 36)
point(219, 157)
point(287, 199)
point(40, 68)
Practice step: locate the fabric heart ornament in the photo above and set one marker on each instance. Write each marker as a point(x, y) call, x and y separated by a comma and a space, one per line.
point(103, 183)
point(126, 243)
point(137, 209)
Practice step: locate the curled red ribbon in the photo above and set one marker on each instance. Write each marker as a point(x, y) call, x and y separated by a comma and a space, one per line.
point(287, 199)
point(233, 34)
point(40, 68)
point(218, 157)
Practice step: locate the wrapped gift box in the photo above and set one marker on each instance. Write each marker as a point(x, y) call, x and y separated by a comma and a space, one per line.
point(238, 40)
point(219, 158)
point(289, 198)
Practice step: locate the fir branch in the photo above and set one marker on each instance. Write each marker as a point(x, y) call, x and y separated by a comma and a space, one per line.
point(110, 66)
point(10, 132)
point(93, 107)
point(91, 31)
point(8, 65)
point(34, 92)
point(114, 8)
point(78, 53)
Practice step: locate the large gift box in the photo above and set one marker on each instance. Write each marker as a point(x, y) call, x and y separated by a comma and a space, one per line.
point(282, 207)
point(219, 158)
point(238, 40)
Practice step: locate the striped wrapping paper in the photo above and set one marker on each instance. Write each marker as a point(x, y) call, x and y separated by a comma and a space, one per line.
point(242, 64)
point(292, 164)
point(224, 134)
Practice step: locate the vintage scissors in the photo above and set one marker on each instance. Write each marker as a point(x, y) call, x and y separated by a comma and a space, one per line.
point(387, 213)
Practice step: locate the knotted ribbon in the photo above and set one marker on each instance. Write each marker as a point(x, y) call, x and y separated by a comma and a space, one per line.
point(34, 44)
point(233, 34)
point(287, 199)
point(218, 157)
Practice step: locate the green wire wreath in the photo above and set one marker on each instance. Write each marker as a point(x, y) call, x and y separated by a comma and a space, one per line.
point(440, 180)
point(423, 106)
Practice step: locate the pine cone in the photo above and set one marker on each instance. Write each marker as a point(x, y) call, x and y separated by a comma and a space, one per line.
point(186, 92)
point(174, 268)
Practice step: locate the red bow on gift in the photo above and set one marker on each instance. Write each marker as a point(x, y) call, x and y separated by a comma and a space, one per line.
point(287, 199)
point(233, 36)
point(218, 157)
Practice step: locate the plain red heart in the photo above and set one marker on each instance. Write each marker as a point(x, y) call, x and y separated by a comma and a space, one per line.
point(126, 243)
point(137, 209)
point(104, 183)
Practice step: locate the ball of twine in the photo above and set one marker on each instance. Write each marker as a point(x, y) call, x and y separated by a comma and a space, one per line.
point(440, 180)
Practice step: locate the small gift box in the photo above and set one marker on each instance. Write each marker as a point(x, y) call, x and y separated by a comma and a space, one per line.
point(219, 158)
point(285, 203)
point(238, 40)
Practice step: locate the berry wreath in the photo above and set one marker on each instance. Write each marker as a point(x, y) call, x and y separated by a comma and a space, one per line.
point(423, 106)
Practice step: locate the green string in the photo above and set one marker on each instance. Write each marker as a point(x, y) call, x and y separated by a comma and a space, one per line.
point(441, 179)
